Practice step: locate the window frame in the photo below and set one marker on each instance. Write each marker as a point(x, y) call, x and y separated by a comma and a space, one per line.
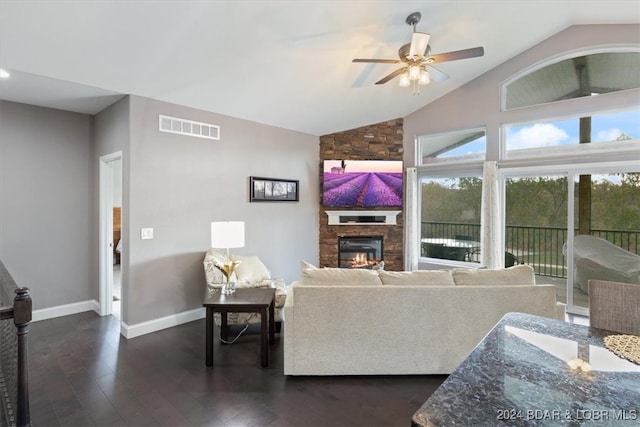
point(469, 158)
point(441, 171)
point(571, 171)
point(551, 60)
point(583, 151)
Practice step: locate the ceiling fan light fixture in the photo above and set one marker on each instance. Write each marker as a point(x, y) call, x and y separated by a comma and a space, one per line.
point(404, 80)
point(425, 79)
point(414, 72)
point(419, 43)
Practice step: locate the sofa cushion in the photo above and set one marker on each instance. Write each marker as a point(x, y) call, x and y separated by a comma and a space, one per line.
point(339, 277)
point(418, 277)
point(251, 269)
point(516, 275)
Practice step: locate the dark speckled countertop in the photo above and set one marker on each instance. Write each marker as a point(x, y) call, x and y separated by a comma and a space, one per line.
point(530, 370)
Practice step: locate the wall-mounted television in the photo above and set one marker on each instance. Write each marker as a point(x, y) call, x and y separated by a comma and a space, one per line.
point(362, 183)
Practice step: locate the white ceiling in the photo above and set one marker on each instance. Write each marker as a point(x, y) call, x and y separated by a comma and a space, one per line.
point(282, 63)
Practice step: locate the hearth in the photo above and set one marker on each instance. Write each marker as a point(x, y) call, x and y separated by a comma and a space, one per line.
point(359, 251)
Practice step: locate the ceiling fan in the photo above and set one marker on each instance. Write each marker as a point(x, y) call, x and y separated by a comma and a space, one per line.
point(415, 57)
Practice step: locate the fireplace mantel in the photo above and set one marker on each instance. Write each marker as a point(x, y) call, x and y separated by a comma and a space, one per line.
point(362, 217)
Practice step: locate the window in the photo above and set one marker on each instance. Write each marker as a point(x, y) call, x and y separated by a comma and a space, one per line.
point(452, 146)
point(580, 76)
point(450, 222)
point(605, 213)
point(537, 204)
point(606, 216)
point(536, 226)
point(617, 130)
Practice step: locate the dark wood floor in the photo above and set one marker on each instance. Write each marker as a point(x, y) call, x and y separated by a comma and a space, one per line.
point(83, 373)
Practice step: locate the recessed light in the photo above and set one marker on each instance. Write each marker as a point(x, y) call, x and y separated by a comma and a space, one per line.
point(4, 74)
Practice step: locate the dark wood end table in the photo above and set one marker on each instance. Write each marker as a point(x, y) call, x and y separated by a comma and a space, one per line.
point(243, 300)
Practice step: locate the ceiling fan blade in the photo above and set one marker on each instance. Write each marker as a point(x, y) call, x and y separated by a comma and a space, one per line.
point(388, 77)
point(419, 43)
point(455, 55)
point(378, 61)
point(437, 75)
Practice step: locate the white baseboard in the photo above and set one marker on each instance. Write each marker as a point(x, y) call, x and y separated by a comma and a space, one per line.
point(127, 331)
point(65, 310)
point(135, 330)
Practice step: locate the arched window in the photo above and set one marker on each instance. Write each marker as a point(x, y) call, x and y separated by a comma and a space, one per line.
point(578, 76)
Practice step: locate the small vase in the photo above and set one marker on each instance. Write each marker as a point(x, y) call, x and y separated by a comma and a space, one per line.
point(228, 287)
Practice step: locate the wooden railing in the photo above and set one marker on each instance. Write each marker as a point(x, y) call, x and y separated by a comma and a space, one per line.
point(15, 316)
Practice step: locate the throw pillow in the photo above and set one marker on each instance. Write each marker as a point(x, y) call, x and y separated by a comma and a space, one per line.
point(250, 269)
point(419, 278)
point(340, 277)
point(516, 275)
point(307, 266)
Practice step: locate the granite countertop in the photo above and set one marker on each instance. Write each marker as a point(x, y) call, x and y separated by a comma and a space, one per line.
point(531, 370)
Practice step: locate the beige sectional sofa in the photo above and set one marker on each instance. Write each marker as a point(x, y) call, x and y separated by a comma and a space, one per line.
point(363, 322)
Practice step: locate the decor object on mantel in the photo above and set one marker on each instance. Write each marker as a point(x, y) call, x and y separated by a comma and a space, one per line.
point(362, 217)
point(227, 234)
point(415, 57)
point(273, 189)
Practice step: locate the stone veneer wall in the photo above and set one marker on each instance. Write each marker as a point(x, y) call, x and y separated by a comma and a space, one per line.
point(381, 141)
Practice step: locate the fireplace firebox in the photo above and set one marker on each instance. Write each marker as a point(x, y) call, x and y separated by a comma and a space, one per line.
point(359, 251)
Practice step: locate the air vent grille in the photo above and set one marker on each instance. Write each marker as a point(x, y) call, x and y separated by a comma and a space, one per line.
point(188, 127)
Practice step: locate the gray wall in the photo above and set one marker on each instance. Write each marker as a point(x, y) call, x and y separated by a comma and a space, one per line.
point(49, 180)
point(46, 209)
point(477, 103)
point(179, 184)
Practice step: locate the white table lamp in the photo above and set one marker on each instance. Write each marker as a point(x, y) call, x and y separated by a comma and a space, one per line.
point(227, 234)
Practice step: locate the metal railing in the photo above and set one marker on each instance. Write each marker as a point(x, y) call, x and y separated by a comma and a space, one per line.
point(15, 316)
point(540, 247)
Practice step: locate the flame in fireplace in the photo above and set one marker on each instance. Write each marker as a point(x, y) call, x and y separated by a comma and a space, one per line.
point(360, 261)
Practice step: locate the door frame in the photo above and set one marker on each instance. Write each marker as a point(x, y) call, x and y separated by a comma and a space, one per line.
point(106, 192)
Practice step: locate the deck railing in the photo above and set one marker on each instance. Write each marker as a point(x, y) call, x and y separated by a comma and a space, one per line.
point(540, 247)
point(15, 316)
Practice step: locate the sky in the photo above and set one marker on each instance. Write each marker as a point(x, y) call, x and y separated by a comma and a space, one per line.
point(605, 127)
point(366, 165)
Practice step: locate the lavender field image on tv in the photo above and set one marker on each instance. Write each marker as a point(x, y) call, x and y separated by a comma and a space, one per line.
point(362, 183)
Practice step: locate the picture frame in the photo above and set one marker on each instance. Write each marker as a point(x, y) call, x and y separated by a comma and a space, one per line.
point(273, 189)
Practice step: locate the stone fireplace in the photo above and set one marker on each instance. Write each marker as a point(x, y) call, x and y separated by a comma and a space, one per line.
point(359, 251)
point(381, 141)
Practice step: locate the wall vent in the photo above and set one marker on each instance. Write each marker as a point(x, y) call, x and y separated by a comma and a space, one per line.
point(188, 127)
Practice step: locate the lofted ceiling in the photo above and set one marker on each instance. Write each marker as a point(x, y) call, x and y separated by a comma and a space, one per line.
point(282, 63)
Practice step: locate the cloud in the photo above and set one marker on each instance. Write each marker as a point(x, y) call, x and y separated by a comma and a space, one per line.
point(537, 135)
point(607, 135)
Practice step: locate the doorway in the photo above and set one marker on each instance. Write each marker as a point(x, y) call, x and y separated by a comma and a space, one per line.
point(111, 233)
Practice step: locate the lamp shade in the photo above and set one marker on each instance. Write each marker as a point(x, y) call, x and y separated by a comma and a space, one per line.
point(227, 234)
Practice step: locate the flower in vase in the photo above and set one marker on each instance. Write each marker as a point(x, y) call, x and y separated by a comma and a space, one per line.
point(228, 268)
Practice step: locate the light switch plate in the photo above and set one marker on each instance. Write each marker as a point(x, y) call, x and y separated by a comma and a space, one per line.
point(146, 233)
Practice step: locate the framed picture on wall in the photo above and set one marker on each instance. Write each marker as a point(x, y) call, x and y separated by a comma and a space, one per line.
point(272, 190)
